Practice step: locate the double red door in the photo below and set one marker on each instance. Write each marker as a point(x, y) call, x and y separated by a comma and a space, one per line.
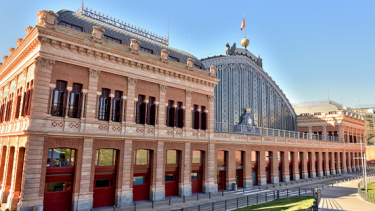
point(196, 181)
point(239, 178)
point(221, 180)
point(141, 182)
point(104, 190)
point(171, 183)
point(58, 189)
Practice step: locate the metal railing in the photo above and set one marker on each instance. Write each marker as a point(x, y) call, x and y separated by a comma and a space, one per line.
point(232, 128)
point(122, 25)
point(370, 197)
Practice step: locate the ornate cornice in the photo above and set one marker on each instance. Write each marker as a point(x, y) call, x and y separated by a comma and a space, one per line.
point(110, 54)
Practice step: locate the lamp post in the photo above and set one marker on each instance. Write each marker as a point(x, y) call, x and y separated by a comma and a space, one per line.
point(277, 178)
point(364, 170)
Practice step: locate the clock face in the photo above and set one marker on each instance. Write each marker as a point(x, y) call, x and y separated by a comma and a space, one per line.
point(249, 121)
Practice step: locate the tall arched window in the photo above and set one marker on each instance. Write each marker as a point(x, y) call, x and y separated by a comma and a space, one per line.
point(59, 95)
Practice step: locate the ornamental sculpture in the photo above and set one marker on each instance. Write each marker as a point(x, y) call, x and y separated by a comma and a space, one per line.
point(213, 71)
point(190, 64)
point(134, 46)
point(97, 34)
point(165, 56)
point(47, 18)
point(247, 125)
point(230, 50)
point(44, 62)
point(28, 30)
point(94, 73)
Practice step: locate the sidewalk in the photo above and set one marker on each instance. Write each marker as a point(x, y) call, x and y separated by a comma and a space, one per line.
point(344, 197)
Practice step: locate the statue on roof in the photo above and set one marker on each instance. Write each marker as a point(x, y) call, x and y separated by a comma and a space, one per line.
point(247, 125)
point(230, 50)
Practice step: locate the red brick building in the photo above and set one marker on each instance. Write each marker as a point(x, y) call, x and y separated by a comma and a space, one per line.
point(94, 116)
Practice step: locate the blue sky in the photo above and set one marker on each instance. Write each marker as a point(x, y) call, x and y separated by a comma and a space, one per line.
point(309, 48)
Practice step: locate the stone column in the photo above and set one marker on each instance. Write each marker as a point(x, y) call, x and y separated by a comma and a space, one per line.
point(92, 95)
point(347, 162)
point(304, 166)
point(247, 171)
point(7, 176)
point(83, 200)
point(325, 138)
point(188, 118)
point(274, 168)
point(111, 96)
point(230, 169)
point(310, 132)
point(126, 195)
point(338, 170)
point(157, 187)
point(162, 114)
point(83, 106)
point(69, 89)
point(42, 78)
point(326, 163)
point(320, 164)
point(295, 166)
point(30, 197)
point(262, 179)
point(16, 179)
point(285, 166)
point(333, 170)
point(210, 115)
point(313, 160)
point(210, 183)
point(185, 185)
point(341, 133)
point(3, 156)
point(347, 135)
point(130, 105)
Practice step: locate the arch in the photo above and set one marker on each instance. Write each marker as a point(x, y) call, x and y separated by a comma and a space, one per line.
point(221, 161)
point(142, 179)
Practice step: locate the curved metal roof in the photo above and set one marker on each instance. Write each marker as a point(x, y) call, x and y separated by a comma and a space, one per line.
point(86, 23)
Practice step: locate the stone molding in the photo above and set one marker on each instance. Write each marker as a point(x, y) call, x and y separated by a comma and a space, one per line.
point(94, 73)
point(28, 30)
point(97, 34)
point(134, 46)
point(188, 93)
point(163, 88)
point(211, 98)
point(44, 62)
point(47, 18)
point(19, 40)
point(132, 81)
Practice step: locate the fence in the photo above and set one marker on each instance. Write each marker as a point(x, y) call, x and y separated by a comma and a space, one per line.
point(232, 128)
point(250, 200)
point(370, 197)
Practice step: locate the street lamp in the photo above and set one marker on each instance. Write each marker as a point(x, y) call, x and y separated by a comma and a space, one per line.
point(278, 179)
point(364, 170)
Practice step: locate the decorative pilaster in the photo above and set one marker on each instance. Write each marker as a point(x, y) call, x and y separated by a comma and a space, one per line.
point(157, 187)
point(210, 114)
point(210, 183)
point(325, 138)
point(274, 168)
point(185, 186)
point(130, 105)
point(161, 115)
point(304, 165)
point(111, 96)
point(126, 196)
point(285, 166)
point(92, 102)
point(83, 107)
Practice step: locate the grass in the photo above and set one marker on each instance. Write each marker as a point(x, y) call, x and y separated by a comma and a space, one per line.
point(370, 187)
point(287, 204)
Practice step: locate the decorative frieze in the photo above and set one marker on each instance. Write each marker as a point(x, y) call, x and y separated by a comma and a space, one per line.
point(97, 34)
point(94, 73)
point(163, 88)
point(44, 62)
point(47, 18)
point(132, 81)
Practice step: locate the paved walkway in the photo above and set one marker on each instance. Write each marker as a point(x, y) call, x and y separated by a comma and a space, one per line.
point(344, 197)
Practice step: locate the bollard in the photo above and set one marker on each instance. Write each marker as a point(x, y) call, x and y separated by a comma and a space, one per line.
point(197, 196)
point(299, 191)
point(225, 205)
point(170, 201)
point(287, 193)
point(243, 190)
point(266, 197)
point(199, 207)
point(209, 195)
point(213, 205)
point(184, 199)
point(237, 203)
point(247, 200)
point(114, 207)
point(135, 206)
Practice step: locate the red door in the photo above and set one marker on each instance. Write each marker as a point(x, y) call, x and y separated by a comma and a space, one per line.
point(58, 196)
point(171, 184)
point(308, 169)
point(104, 190)
point(324, 167)
point(316, 168)
point(221, 180)
point(141, 187)
point(239, 178)
point(196, 182)
point(254, 174)
point(280, 175)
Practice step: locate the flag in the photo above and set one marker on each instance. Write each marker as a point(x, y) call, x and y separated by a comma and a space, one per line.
point(243, 23)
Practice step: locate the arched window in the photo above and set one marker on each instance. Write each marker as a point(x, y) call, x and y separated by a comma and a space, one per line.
point(105, 157)
point(60, 157)
point(58, 102)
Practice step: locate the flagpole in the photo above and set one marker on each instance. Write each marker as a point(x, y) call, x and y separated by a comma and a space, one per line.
point(245, 24)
